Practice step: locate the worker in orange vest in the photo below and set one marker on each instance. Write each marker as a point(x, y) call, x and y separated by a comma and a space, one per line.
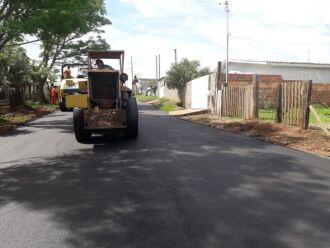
point(53, 94)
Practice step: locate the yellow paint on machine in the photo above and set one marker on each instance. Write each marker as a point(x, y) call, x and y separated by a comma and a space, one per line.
point(82, 85)
point(76, 101)
point(69, 82)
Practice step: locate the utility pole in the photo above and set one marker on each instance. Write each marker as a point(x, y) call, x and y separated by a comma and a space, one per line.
point(309, 56)
point(132, 69)
point(227, 47)
point(159, 66)
point(175, 56)
point(156, 67)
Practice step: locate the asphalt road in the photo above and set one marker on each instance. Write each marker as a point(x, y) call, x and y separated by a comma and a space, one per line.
point(179, 185)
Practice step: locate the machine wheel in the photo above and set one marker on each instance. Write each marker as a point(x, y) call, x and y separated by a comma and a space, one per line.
point(132, 119)
point(82, 135)
point(62, 106)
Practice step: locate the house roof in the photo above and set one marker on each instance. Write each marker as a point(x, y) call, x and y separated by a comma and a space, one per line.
point(297, 63)
point(150, 80)
point(284, 63)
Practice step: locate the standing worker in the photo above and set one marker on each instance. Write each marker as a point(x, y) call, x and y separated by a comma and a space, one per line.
point(53, 94)
point(67, 72)
point(134, 85)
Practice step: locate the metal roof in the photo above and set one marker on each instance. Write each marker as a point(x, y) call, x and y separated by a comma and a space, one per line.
point(297, 63)
point(111, 54)
point(288, 63)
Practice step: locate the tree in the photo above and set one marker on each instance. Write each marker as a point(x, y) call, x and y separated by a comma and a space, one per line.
point(181, 73)
point(15, 72)
point(61, 28)
point(16, 16)
point(77, 50)
point(11, 14)
point(15, 21)
point(19, 74)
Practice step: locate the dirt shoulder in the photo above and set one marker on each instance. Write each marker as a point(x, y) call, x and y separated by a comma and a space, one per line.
point(311, 140)
point(21, 115)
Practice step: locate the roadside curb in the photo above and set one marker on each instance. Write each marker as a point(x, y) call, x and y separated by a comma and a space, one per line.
point(151, 102)
point(186, 112)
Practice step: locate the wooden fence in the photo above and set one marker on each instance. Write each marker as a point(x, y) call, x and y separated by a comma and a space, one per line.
point(293, 99)
point(237, 101)
point(4, 106)
point(292, 103)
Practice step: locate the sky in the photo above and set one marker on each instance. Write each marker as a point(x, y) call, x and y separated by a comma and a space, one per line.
point(281, 30)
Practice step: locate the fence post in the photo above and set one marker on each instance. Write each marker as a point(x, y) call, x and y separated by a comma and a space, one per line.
point(221, 102)
point(307, 110)
point(248, 102)
point(219, 83)
point(255, 96)
point(279, 104)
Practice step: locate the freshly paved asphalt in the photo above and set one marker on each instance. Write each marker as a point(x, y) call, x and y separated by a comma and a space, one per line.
point(179, 185)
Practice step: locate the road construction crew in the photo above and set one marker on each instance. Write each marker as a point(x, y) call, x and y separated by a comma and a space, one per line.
point(53, 94)
point(67, 72)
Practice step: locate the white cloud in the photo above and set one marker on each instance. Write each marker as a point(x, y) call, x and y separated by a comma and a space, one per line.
point(201, 30)
point(145, 47)
point(158, 8)
point(197, 29)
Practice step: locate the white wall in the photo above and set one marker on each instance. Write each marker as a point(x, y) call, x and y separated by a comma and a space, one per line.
point(171, 94)
point(164, 91)
point(199, 93)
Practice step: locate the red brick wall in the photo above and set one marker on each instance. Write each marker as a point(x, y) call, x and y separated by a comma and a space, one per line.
point(321, 93)
point(267, 87)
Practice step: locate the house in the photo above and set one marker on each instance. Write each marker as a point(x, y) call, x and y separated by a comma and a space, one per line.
point(145, 84)
point(318, 72)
